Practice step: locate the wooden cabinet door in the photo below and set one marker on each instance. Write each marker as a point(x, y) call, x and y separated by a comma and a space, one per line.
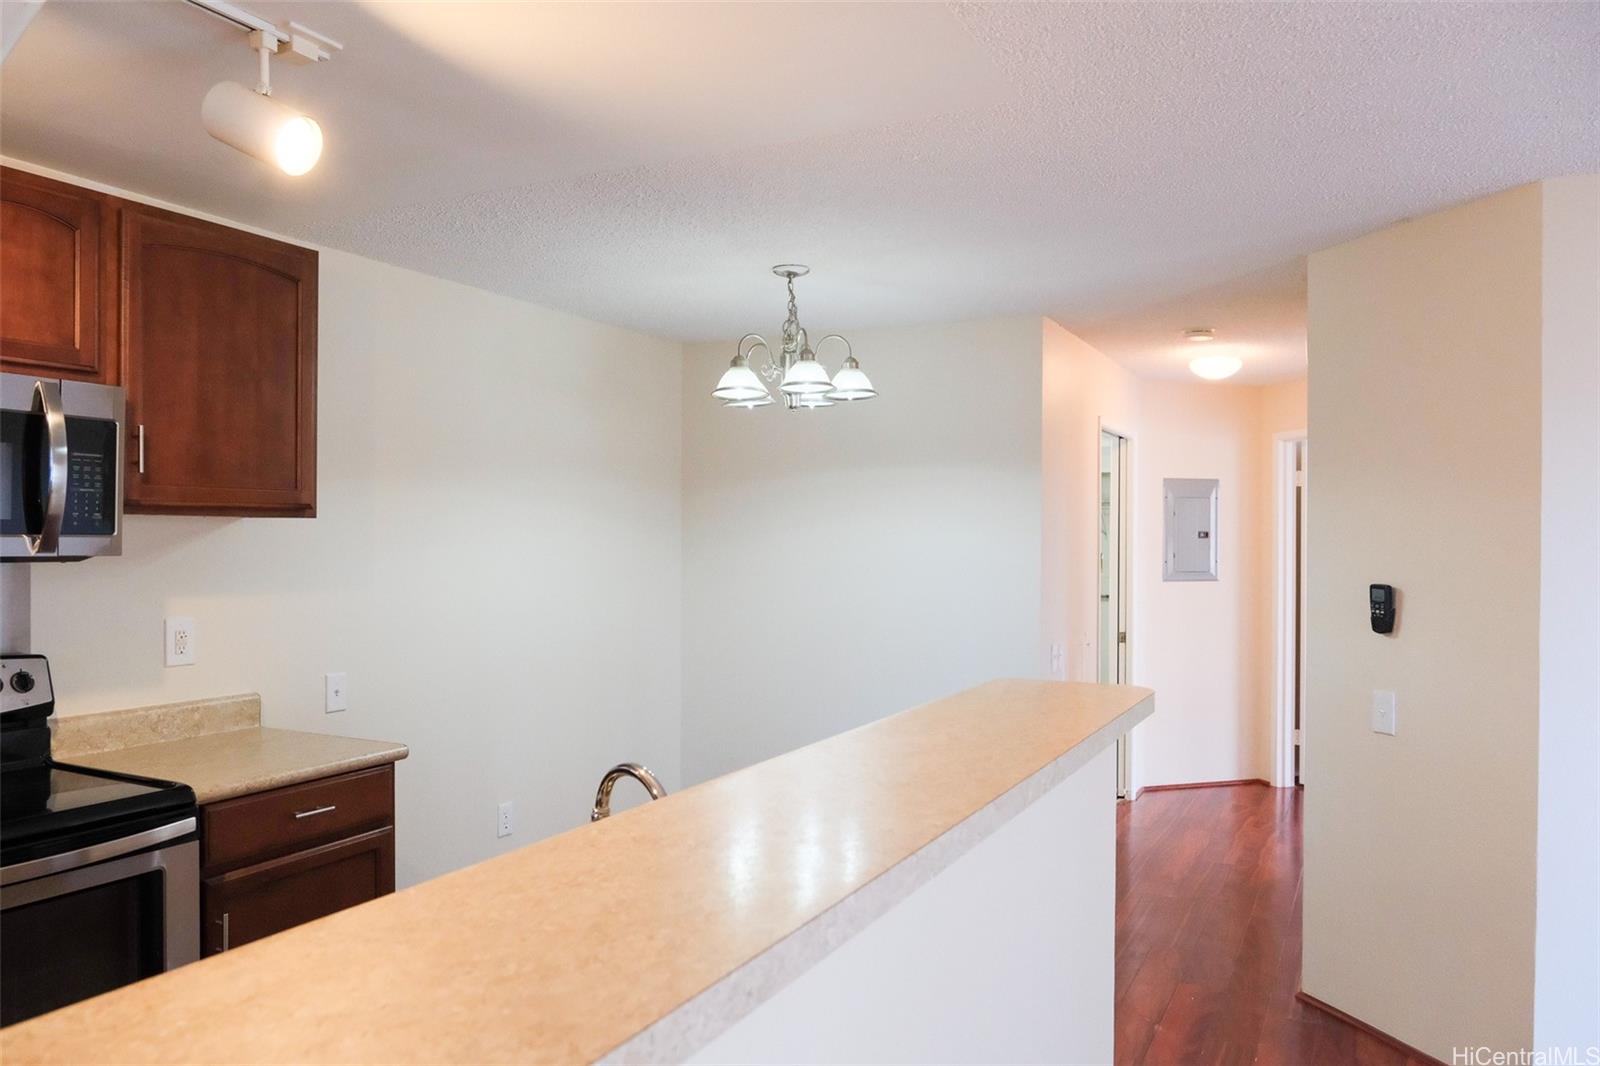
point(57, 279)
point(220, 365)
point(260, 900)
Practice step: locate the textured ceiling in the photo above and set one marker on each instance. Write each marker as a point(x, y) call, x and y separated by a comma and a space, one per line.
point(1129, 169)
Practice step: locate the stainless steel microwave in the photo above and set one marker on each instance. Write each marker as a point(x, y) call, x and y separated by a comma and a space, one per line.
point(62, 462)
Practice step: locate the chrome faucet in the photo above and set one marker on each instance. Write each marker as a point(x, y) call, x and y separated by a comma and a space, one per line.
point(602, 797)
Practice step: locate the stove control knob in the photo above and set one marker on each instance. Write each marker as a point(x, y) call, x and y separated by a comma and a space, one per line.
point(22, 681)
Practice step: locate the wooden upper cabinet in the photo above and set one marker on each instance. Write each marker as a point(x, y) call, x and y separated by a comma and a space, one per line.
point(219, 333)
point(57, 279)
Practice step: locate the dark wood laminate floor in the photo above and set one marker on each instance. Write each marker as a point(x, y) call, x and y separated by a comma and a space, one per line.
point(1208, 936)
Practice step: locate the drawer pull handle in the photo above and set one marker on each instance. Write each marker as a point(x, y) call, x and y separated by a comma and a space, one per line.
point(316, 810)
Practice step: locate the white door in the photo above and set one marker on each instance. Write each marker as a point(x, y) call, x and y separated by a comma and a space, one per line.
point(1113, 584)
point(1302, 488)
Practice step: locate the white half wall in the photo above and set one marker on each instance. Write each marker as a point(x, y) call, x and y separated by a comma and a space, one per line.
point(843, 564)
point(495, 562)
point(1007, 955)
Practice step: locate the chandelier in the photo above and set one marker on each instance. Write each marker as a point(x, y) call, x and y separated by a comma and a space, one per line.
point(802, 380)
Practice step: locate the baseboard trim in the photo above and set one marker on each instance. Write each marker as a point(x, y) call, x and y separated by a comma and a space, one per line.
point(1376, 1034)
point(1202, 784)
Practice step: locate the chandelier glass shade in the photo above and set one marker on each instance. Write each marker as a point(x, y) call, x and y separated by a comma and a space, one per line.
point(803, 382)
point(739, 383)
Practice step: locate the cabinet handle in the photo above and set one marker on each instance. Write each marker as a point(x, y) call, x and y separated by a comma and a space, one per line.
point(224, 930)
point(47, 401)
point(141, 447)
point(316, 810)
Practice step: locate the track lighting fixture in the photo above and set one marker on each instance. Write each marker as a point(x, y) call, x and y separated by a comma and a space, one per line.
point(252, 121)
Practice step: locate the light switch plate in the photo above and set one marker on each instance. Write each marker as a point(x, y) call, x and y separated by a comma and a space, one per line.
point(1383, 712)
point(338, 694)
point(180, 641)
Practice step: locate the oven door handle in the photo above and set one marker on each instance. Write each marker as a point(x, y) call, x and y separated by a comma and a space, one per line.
point(106, 849)
point(47, 396)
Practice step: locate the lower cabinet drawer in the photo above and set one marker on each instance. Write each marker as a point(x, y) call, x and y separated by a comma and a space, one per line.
point(256, 901)
point(253, 828)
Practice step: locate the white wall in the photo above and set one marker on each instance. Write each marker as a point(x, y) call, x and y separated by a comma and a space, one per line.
point(936, 511)
point(1567, 951)
point(847, 563)
point(1425, 400)
point(495, 561)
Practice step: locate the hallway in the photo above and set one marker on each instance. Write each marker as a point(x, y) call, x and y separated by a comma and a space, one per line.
point(1208, 936)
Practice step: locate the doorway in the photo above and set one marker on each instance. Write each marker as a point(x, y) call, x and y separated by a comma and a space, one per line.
point(1112, 624)
point(1292, 481)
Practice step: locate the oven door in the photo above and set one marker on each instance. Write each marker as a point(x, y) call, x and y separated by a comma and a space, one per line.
point(60, 468)
point(88, 926)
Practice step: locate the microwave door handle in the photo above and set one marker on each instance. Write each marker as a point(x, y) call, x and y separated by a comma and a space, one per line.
point(48, 396)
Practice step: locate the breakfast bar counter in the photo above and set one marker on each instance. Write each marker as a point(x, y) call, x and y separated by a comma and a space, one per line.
point(689, 928)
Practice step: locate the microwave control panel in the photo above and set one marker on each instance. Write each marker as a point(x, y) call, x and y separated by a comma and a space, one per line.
point(91, 478)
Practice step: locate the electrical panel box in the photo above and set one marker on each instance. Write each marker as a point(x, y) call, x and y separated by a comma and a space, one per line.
point(1191, 525)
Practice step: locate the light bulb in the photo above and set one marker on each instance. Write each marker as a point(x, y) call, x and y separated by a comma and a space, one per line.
point(260, 126)
point(298, 145)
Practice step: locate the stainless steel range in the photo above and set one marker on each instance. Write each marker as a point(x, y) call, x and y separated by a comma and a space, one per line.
point(99, 871)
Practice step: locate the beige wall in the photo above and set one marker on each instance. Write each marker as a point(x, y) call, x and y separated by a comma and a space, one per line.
point(1425, 415)
point(844, 564)
point(1082, 389)
point(495, 563)
point(1206, 647)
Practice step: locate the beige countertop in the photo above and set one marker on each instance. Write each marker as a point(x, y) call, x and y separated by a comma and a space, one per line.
point(219, 766)
point(637, 938)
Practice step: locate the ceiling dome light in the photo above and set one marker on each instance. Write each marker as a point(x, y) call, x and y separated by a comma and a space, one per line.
point(1216, 367)
point(1199, 336)
point(258, 125)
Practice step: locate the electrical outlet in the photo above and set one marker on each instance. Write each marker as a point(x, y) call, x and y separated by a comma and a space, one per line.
point(503, 822)
point(1058, 661)
point(180, 641)
point(1383, 712)
point(338, 698)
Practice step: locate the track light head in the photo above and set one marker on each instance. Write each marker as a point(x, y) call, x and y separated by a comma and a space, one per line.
point(258, 125)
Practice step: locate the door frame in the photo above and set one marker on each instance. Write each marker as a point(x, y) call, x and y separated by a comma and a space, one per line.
point(1287, 592)
point(1124, 745)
